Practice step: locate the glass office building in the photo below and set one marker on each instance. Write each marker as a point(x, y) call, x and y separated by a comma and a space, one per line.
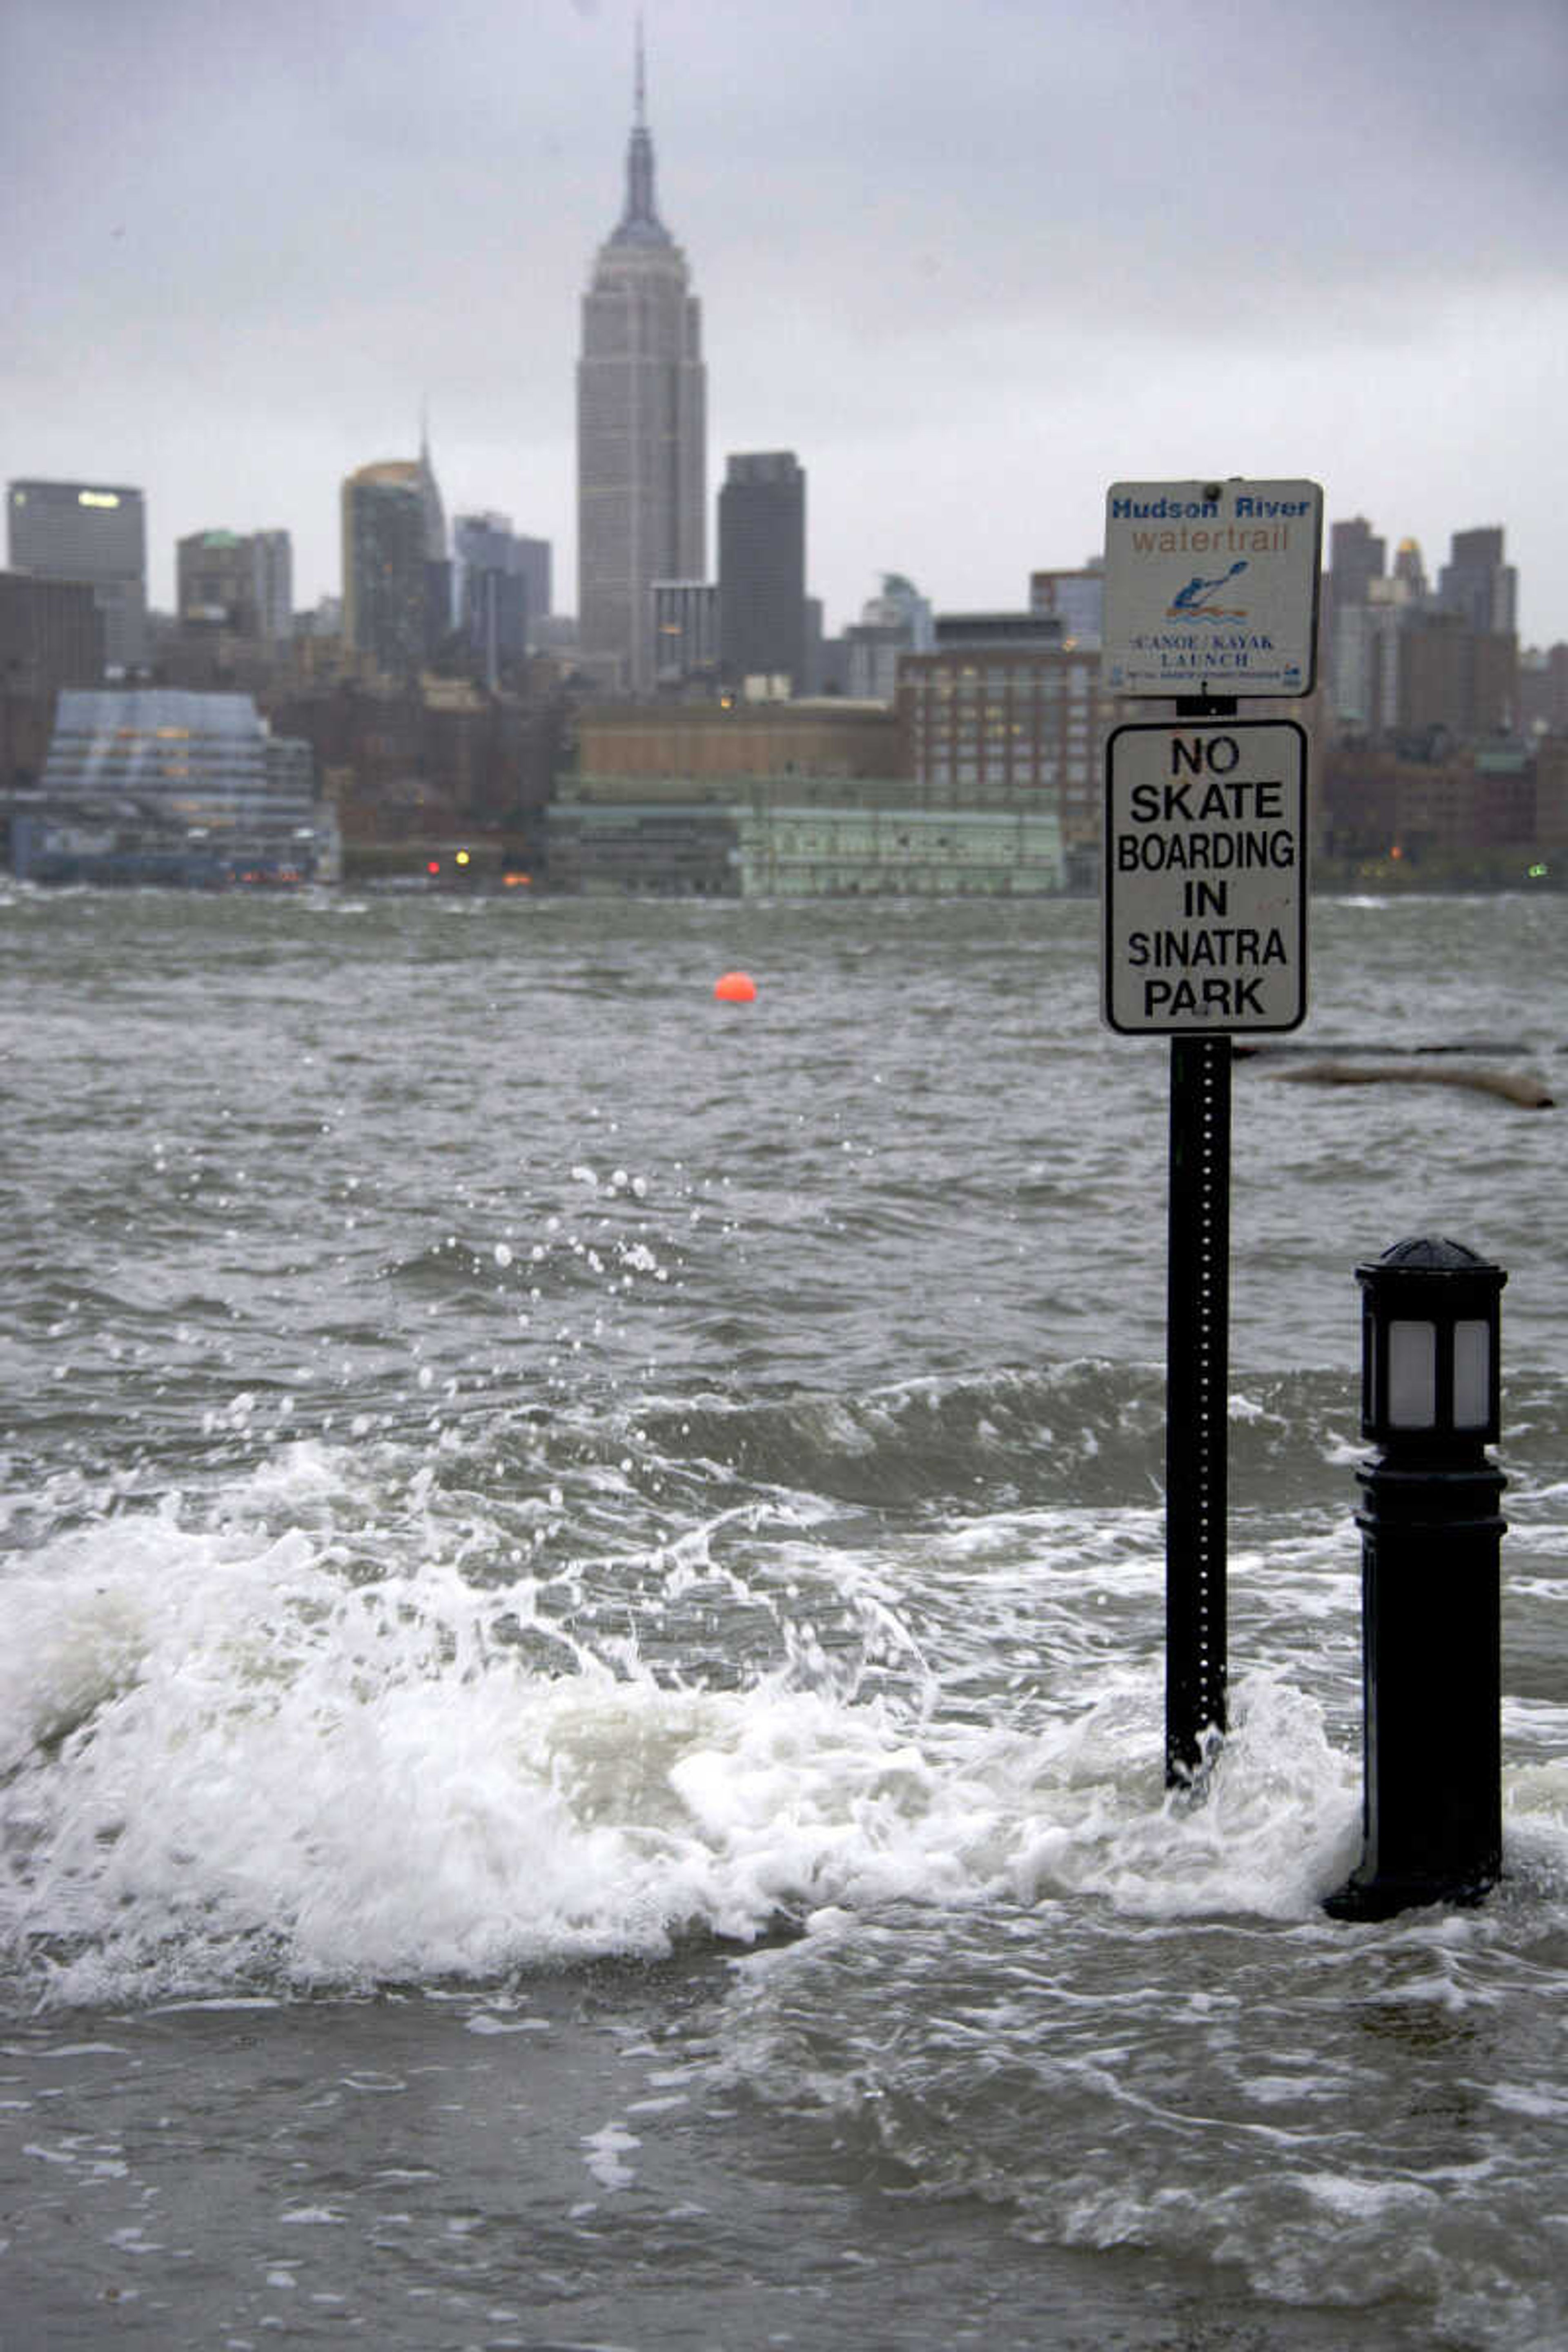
point(156, 784)
point(92, 532)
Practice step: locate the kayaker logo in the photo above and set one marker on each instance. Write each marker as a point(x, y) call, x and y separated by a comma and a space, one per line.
point(1197, 600)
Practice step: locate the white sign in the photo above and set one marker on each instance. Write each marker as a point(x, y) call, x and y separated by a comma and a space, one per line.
point(1205, 892)
point(1211, 587)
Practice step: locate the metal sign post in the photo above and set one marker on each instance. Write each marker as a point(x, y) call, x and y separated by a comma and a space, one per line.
point(1197, 1333)
point(1210, 595)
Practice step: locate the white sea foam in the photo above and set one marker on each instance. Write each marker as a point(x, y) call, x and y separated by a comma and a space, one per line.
point(229, 1761)
point(307, 1734)
point(607, 2157)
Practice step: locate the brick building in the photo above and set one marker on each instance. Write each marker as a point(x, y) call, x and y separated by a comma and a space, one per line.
point(1001, 701)
point(830, 738)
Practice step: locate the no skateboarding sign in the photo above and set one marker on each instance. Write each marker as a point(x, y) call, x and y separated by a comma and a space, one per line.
point(1206, 885)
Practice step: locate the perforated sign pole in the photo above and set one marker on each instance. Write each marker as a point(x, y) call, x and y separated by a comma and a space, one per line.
point(1197, 1325)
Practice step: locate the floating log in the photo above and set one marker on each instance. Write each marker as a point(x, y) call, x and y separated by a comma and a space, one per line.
point(1528, 1093)
point(1247, 1049)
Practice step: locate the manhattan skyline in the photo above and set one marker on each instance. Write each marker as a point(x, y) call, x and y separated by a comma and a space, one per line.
point(972, 268)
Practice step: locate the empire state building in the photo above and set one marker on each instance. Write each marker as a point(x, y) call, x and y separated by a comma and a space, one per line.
point(641, 429)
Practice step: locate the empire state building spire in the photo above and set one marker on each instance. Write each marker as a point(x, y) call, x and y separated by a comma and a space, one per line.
point(641, 428)
point(639, 222)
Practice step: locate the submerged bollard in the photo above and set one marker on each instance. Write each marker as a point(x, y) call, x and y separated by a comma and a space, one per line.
point(1431, 1536)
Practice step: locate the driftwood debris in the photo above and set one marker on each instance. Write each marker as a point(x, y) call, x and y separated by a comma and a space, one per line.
point(1342, 1049)
point(1528, 1093)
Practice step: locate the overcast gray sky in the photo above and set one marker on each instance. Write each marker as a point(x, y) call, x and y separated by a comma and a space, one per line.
point(971, 259)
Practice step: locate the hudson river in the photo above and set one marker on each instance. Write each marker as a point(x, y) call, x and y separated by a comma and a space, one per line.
point(581, 1644)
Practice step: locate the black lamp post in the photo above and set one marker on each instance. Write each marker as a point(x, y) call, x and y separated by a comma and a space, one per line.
point(1431, 1534)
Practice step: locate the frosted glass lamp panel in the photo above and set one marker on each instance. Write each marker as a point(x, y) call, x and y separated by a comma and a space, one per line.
point(1472, 1375)
point(1412, 1375)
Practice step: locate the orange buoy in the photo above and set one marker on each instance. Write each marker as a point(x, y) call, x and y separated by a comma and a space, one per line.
point(735, 987)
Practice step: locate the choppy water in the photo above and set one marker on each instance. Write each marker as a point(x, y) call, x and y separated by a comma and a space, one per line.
point(581, 1683)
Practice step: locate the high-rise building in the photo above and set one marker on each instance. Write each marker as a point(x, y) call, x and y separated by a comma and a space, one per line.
point(1410, 571)
point(436, 548)
point(51, 635)
point(815, 657)
point(1544, 690)
point(1457, 677)
point(896, 622)
point(534, 562)
point(1356, 601)
point(1355, 559)
point(492, 592)
point(1477, 583)
point(439, 610)
point(274, 583)
point(227, 580)
point(641, 429)
point(1363, 619)
point(685, 633)
point(1364, 656)
point(215, 581)
point(1076, 599)
point(386, 615)
point(83, 531)
point(762, 569)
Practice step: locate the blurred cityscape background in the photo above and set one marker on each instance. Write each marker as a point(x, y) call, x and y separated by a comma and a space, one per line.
point(692, 725)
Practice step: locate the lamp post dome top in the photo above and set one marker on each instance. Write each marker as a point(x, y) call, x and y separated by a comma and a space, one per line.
point(1433, 1256)
point(1429, 1268)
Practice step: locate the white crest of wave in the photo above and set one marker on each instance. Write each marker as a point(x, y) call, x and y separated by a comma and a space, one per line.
point(229, 1763)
